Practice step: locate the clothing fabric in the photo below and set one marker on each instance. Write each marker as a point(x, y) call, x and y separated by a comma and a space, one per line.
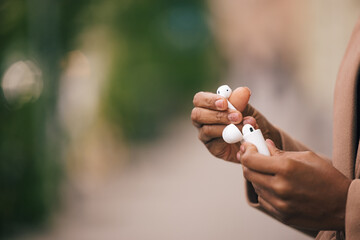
point(346, 147)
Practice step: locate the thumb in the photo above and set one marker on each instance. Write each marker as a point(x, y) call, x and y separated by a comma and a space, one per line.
point(247, 147)
point(272, 148)
point(240, 98)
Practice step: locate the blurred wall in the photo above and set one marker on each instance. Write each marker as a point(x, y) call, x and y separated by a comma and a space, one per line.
point(288, 53)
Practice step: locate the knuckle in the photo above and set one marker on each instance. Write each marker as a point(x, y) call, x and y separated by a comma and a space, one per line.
point(310, 154)
point(288, 166)
point(196, 98)
point(283, 208)
point(281, 189)
point(205, 133)
point(209, 101)
point(206, 130)
point(245, 159)
point(278, 151)
point(219, 116)
point(195, 114)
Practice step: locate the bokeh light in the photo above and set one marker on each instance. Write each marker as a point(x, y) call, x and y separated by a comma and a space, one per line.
point(22, 83)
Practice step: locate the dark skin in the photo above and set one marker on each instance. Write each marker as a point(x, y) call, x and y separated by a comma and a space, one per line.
point(300, 189)
point(211, 115)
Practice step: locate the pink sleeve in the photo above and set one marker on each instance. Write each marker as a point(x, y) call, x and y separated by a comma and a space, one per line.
point(352, 213)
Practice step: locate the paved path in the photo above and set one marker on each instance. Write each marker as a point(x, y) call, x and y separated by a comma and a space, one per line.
point(174, 190)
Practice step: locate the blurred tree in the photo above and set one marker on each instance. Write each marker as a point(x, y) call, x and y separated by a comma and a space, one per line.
point(163, 55)
point(40, 30)
point(166, 55)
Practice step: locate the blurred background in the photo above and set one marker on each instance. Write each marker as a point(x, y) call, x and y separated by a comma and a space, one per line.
point(95, 136)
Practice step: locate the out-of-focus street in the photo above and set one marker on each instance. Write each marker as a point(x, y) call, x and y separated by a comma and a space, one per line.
point(172, 190)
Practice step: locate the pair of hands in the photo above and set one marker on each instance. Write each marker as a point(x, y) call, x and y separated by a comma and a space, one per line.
point(300, 189)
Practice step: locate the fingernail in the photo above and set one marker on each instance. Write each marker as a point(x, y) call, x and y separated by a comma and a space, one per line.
point(220, 104)
point(234, 117)
point(242, 148)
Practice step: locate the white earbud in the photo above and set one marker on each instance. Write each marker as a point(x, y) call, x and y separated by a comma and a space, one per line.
point(255, 137)
point(225, 91)
point(248, 129)
point(231, 134)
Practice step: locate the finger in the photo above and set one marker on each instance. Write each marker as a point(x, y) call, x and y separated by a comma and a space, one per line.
point(201, 116)
point(210, 101)
point(257, 178)
point(272, 148)
point(240, 98)
point(250, 158)
point(250, 120)
point(269, 208)
point(209, 132)
point(264, 192)
point(258, 189)
point(220, 149)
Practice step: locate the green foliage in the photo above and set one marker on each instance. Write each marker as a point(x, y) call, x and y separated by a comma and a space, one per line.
point(30, 169)
point(163, 55)
point(166, 55)
point(28, 180)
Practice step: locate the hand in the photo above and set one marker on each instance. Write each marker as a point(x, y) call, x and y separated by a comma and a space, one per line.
point(211, 115)
point(299, 188)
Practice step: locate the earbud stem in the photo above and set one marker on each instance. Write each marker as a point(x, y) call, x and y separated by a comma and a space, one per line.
point(230, 106)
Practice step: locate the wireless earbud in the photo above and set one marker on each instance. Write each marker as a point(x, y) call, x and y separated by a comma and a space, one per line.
point(247, 129)
point(231, 134)
point(255, 137)
point(225, 91)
